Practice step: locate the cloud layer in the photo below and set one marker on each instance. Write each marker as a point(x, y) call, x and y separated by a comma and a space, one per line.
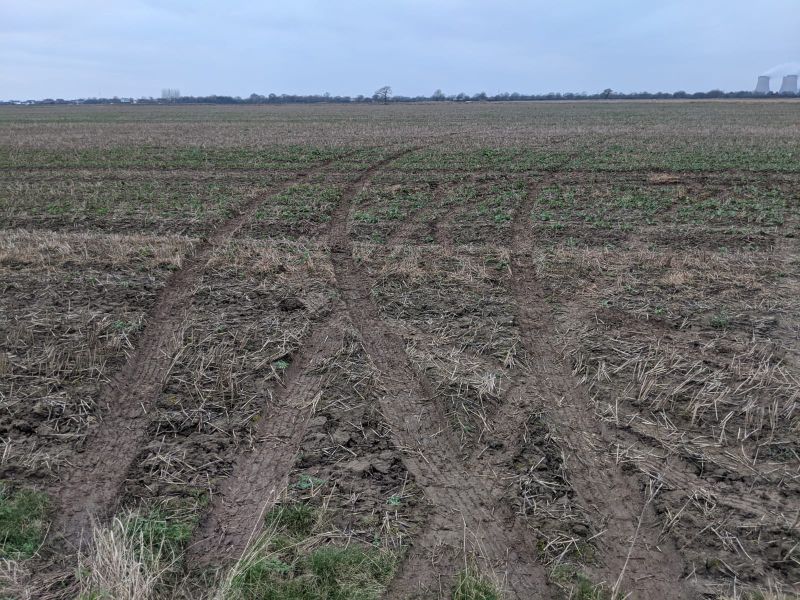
point(50, 48)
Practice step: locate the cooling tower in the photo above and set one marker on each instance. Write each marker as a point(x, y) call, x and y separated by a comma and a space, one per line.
point(789, 85)
point(762, 87)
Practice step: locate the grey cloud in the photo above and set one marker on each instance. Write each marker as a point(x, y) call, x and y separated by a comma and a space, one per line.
point(49, 48)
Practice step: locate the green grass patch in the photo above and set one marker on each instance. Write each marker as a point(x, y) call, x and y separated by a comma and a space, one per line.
point(289, 157)
point(296, 520)
point(163, 534)
point(165, 529)
point(293, 560)
point(23, 521)
point(303, 203)
point(329, 572)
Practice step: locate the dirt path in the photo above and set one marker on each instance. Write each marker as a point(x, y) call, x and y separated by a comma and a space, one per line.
point(467, 516)
point(90, 490)
point(653, 569)
point(259, 477)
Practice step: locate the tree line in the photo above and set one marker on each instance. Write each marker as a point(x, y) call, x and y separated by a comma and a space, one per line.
point(384, 96)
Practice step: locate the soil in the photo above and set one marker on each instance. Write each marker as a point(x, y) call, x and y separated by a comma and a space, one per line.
point(569, 399)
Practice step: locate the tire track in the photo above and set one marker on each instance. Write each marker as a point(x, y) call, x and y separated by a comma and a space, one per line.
point(260, 476)
point(467, 515)
point(599, 484)
point(89, 491)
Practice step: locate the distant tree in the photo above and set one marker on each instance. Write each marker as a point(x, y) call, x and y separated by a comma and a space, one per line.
point(383, 94)
point(607, 93)
point(438, 96)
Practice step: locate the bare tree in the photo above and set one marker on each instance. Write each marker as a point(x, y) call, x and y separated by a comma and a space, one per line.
point(383, 94)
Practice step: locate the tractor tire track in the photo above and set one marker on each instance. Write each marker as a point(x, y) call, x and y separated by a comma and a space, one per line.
point(259, 477)
point(90, 489)
point(599, 484)
point(467, 514)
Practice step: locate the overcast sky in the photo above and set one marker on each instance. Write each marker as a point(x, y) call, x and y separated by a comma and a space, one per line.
point(60, 49)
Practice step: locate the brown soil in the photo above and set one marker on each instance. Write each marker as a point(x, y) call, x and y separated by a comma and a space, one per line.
point(563, 380)
point(465, 513)
point(91, 489)
point(261, 475)
point(614, 503)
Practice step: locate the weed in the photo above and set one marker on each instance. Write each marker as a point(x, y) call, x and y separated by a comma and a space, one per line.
point(720, 320)
point(306, 482)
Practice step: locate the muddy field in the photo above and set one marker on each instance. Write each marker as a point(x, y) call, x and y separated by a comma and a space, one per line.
point(483, 351)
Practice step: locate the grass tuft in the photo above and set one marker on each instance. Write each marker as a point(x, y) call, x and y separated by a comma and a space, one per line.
point(295, 560)
point(121, 564)
point(472, 585)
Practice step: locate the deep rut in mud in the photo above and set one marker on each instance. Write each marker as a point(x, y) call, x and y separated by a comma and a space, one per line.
point(90, 490)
